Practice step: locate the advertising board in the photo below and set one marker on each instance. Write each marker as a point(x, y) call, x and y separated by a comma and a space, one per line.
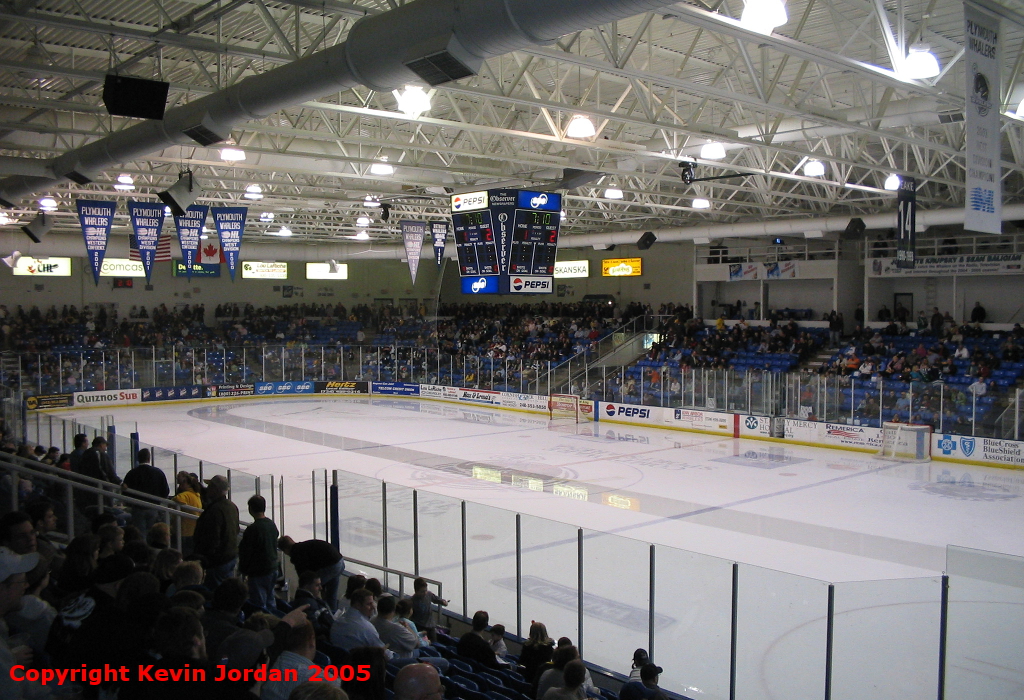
point(224, 391)
point(173, 393)
point(338, 387)
point(279, 388)
point(395, 388)
point(44, 401)
point(119, 397)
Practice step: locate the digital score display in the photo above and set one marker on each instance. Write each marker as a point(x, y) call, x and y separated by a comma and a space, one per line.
point(475, 243)
point(534, 242)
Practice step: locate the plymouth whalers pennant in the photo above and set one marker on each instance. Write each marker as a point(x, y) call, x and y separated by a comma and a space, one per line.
point(413, 233)
point(230, 223)
point(982, 129)
point(96, 219)
point(147, 222)
point(190, 227)
point(439, 230)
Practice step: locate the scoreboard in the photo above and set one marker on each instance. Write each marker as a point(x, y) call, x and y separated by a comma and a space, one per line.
point(511, 234)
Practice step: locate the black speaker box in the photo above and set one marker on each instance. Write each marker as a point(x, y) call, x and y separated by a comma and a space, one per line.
point(135, 97)
point(646, 240)
point(855, 229)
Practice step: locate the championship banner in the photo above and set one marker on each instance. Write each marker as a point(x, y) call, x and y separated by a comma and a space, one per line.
point(230, 222)
point(906, 223)
point(982, 136)
point(190, 227)
point(413, 233)
point(439, 231)
point(96, 219)
point(147, 222)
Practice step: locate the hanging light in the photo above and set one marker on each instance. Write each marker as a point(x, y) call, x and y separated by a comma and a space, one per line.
point(892, 182)
point(412, 101)
point(125, 183)
point(362, 236)
point(814, 168)
point(562, 216)
point(283, 231)
point(232, 155)
point(167, 211)
point(700, 203)
point(712, 151)
point(382, 167)
point(613, 192)
point(763, 16)
point(267, 216)
point(1020, 109)
point(363, 221)
point(253, 192)
point(920, 63)
point(580, 127)
point(48, 204)
point(4, 219)
point(371, 201)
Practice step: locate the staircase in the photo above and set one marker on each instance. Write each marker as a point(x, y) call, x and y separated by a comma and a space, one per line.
point(819, 360)
point(10, 370)
point(619, 348)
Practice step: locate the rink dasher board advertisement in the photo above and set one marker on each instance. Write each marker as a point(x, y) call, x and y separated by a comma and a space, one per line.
point(485, 397)
point(115, 397)
point(850, 437)
point(677, 418)
point(394, 388)
point(173, 393)
point(281, 388)
point(228, 391)
point(45, 401)
point(977, 450)
point(341, 387)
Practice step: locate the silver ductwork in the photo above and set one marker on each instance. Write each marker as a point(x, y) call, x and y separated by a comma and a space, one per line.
point(429, 41)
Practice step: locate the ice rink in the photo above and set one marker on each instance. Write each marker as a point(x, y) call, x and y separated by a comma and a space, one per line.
point(796, 517)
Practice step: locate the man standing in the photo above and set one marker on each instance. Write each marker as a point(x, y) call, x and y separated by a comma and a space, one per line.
point(216, 535)
point(321, 557)
point(978, 313)
point(257, 555)
point(81, 443)
point(147, 479)
point(96, 462)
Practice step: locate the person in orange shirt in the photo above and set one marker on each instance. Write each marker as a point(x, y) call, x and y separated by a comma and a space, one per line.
point(187, 494)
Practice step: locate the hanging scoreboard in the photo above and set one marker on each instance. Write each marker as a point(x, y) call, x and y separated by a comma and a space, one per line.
point(511, 234)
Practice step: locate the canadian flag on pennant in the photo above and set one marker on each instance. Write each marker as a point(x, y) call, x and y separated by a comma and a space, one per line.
point(209, 252)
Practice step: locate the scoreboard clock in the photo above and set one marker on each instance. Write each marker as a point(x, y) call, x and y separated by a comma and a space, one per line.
point(510, 234)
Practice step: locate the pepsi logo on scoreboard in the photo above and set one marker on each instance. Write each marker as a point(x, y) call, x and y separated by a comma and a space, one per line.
point(522, 284)
point(480, 285)
point(470, 201)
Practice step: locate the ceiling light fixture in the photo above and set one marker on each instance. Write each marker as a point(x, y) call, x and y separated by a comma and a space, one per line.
point(613, 192)
point(363, 221)
point(700, 203)
point(814, 168)
point(125, 183)
point(362, 236)
point(167, 211)
point(371, 201)
point(763, 16)
point(412, 101)
point(253, 192)
point(4, 219)
point(580, 127)
point(232, 155)
point(920, 63)
point(283, 231)
point(892, 182)
point(712, 151)
point(382, 167)
point(48, 204)
point(332, 266)
point(267, 216)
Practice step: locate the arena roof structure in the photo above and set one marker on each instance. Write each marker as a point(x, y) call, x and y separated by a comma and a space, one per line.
point(813, 118)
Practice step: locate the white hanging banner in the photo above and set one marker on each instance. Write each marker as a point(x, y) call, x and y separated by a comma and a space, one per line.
point(984, 202)
point(413, 233)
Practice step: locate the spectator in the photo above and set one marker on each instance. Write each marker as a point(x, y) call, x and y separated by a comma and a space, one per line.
point(647, 688)
point(146, 478)
point(216, 533)
point(299, 652)
point(111, 540)
point(640, 658)
point(80, 560)
point(353, 627)
point(978, 313)
point(243, 650)
point(321, 557)
point(422, 601)
point(81, 444)
point(257, 555)
point(159, 536)
point(317, 691)
point(44, 520)
point(497, 641)
point(400, 640)
point(187, 494)
point(224, 616)
point(472, 644)
point(189, 576)
point(178, 642)
point(372, 688)
point(418, 682)
point(537, 651)
point(164, 566)
point(96, 462)
point(571, 688)
point(318, 612)
point(13, 584)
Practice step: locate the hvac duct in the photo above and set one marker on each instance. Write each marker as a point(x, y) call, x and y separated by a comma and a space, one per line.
point(382, 52)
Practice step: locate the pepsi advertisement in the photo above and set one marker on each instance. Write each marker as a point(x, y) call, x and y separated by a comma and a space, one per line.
point(480, 285)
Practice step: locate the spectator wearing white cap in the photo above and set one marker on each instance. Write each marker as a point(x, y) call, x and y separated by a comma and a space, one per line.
point(13, 584)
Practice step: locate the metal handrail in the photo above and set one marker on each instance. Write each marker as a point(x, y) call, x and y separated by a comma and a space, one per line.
point(402, 575)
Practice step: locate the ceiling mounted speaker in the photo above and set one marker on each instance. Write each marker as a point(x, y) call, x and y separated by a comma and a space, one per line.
point(12, 259)
point(135, 97)
point(855, 229)
point(38, 227)
point(181, 195)
point(646, 240)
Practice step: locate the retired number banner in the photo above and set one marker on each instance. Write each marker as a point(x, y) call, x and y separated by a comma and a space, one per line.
point(906, 231)
point(439, 231)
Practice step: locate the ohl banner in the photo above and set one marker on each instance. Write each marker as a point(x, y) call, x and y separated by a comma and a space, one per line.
point(983, 136)
point(906, 231)
point(96, 219)
point(190, 227)
point(439, 231)
point(413, 233)
point(147, 222)
point(230, 222)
